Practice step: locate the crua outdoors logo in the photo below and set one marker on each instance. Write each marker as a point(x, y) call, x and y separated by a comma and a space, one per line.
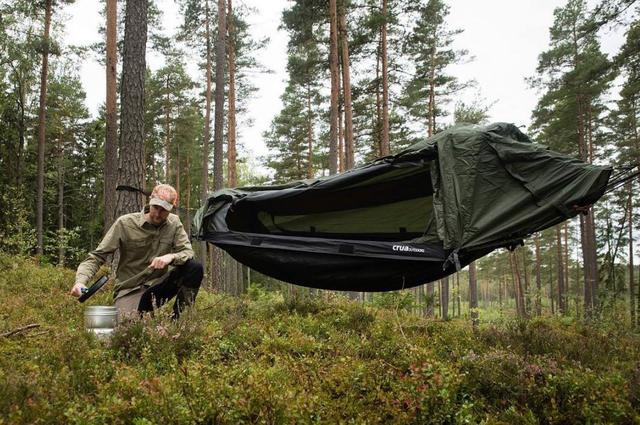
point(405, 248)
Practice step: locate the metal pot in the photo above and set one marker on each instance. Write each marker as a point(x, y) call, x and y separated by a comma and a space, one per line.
point(101, 320)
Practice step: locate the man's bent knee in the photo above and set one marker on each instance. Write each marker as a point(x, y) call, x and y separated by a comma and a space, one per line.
point(193, 273)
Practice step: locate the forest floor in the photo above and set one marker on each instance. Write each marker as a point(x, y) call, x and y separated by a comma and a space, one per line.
point(264, 358)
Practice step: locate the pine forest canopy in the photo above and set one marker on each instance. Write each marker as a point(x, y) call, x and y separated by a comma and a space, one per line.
point(404, 219)
point(363, 78)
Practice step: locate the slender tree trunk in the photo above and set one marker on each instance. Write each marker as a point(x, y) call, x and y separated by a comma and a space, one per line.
point(231, 143)
point(538, 277)
point(567, 289)
point(111, 118)
point(632, 282)
point(430, 292)
point(444, 298)
point(131, 158)
point(333, 66)
point(551, 289)
point(309, 135)
point(386, 148)
point(235, 271)
point(562, 307)
point(187, 203)
point(517, 284)
point(525, 274)
point(41, 129)
point(378, 124)
point(167, 134)
point(346, 88)
point(178, 170)
point(431, 111)
point(341, 161)
point(218, 130)
point(473, 293)
point(459, 296)
point(218, 124)
point(61, 243)
point(205, 140)
point(21, 132)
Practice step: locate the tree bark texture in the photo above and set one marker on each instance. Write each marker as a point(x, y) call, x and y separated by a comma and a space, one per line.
point(562, 307)
point(206, 136)
point(232, 175)
point(218, 123)
point(430, 292)
point(333, 67)
point(111, 118)
point(44, 71)
point(538, 277)
point(131, 160)
point(218, 131)
point(386, 148)
point(61, 243)
point(346, 89)
point(473, 293)
point(632, 282)
point(309, 135)
point(444, 297)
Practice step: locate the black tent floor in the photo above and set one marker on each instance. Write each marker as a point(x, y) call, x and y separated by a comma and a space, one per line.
point(369, 266)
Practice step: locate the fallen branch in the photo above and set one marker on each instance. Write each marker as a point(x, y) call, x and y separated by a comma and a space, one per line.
point(19, 330)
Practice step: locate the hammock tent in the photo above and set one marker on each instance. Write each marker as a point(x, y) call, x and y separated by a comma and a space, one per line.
point(406, 219)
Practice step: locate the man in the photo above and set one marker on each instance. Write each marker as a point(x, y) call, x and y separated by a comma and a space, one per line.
point(149, 241)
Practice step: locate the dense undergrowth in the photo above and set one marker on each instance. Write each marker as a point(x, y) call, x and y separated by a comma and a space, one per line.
point(266, 359)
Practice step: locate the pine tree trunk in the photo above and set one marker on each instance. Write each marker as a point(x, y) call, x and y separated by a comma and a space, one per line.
point(346, 88)
point(632, 283)
point(21, 134)
point(231, 143)
point(473, 294)
point(41, 130)
point(386, 148)
point(525, 274)
point(431, 111)
point(444, 298)
point(378, 123)
point(562, 308)
point(341, 160)
point(538, 277)
point(131, 159)
point(459, 297)
point(333, 67)
point(309, 135)
point(517, 284)
point(232, 176)
point(205, 141)
point(178, 170)
point(430, 292)
point(111, 118)
point(567, 289)
point(218, 124)
point(61, 243)
point(188, 198)
point(218, 272)
point(167, 135)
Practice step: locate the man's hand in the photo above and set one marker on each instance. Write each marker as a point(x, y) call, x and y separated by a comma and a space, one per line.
point(161, 262)
point(76, 291)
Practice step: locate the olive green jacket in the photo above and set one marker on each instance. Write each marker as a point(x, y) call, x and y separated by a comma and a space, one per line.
point(139, 242)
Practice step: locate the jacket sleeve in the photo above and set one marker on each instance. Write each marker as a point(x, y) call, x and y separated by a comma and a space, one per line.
point(88, 268)
point(181, 246)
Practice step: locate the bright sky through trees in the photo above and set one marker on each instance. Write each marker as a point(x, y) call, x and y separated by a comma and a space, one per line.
point(504, 37)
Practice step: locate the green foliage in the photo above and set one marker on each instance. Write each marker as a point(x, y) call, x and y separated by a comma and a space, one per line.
point(298, 359)
point(17, 235)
